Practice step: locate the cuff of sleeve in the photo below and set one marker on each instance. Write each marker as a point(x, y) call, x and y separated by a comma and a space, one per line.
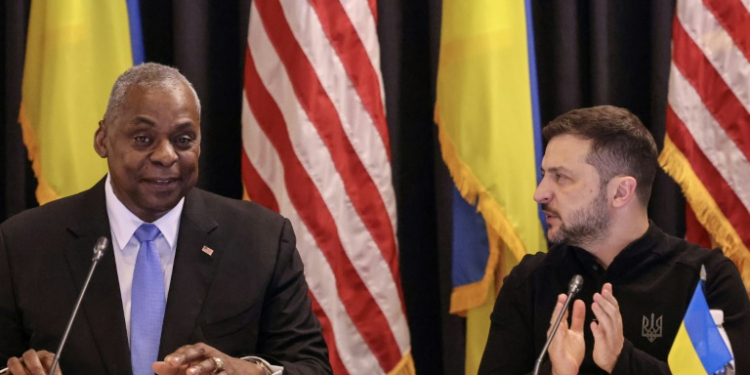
point(267, 367)
point(622, 366)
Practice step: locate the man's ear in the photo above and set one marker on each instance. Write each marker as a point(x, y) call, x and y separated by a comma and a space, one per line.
point(100, 144)
point(624, 190)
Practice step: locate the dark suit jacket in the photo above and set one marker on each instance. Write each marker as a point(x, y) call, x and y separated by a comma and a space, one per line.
point(248, 298)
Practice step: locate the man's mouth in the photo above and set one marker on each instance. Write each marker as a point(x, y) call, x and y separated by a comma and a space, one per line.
point(550, 214)
point(161, 181)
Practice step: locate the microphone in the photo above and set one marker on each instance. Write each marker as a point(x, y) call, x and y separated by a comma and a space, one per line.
point(99, 249)
point(574, 286)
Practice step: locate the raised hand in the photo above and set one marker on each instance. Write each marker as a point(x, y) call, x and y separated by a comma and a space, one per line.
point(608, 337)
point(567, 347)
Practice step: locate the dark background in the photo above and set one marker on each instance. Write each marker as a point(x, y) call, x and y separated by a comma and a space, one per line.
point(588, 53)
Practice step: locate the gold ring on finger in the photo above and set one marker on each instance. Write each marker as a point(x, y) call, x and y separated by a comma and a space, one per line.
point(218, 364)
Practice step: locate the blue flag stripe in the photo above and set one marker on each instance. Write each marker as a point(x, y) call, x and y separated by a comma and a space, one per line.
point(471, 247)
point(535, 111)
point(136, 34)
point(705, 336)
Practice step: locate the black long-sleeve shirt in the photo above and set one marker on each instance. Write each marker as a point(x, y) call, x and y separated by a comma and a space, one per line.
point(653, 280)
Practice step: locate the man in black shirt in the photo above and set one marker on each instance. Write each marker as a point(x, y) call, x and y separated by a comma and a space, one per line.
point(598, 170)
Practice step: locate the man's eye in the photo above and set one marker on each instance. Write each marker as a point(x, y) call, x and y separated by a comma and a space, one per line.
point(184, 140)
point(141, 139)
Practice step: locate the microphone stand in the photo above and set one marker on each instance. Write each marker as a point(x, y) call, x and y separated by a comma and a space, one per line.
point(101, 245)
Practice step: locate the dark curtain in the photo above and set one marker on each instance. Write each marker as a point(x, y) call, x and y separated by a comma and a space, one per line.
point(588, 53)
point(17, 180)
point(610, 52)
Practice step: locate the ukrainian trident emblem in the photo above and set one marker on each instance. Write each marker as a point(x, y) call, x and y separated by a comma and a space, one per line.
point(651, 328)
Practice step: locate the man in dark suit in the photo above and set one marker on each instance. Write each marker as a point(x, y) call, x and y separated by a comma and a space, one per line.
point(229, 294)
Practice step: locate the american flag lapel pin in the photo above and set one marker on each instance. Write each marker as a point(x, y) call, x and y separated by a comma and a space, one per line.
point(208, 250)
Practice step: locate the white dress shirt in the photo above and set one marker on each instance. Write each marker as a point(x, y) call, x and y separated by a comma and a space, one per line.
point(123, 224)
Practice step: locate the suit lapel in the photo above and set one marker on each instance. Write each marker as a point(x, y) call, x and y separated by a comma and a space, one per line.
point(102, 305)
point(192, 273)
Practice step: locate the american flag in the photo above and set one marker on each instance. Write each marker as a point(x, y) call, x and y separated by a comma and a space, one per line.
point(316, 149)
point(707, 147)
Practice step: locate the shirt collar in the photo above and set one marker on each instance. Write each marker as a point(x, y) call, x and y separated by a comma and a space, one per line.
point(634, 251)
point(124, 223)
point(646, 243)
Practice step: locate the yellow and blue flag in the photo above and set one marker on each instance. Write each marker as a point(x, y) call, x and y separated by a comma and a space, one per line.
point(75, 50)
point(698, 347)
point(489, 129)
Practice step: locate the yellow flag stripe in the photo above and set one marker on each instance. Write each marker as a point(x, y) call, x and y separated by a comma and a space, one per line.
point(477, 331)
point(74, 52)
point(683, 360)
point(483, 111)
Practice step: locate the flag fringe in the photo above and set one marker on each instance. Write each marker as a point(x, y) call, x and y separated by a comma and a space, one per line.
point(465, 297)
point(473, 295)
point(44, 192)
point(245, 196)
point(706, 210)
point(405, 366)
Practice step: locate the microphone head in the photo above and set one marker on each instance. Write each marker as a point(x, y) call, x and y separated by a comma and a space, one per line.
point(575, 285)
point(100, 247)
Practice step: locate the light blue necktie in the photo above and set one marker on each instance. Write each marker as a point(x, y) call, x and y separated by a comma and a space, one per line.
point(147, 302)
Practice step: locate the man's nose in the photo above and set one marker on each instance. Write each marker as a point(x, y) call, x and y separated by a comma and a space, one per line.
point(164, 153)
point(542, 193)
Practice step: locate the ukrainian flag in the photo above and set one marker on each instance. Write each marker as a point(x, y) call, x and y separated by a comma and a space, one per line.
point(488, 119)
point(75, 50)
point(698, 347)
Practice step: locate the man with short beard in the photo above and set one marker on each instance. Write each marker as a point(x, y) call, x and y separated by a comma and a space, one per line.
point(598, 170)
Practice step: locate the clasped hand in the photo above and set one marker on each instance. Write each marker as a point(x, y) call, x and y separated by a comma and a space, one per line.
point(198, 359)
point(567, 347)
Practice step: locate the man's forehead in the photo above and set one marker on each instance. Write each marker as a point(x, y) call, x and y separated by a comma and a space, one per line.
point(140, 107)
point(138, 97)
point(145, 121)
point(565, 152)
point(568, 147)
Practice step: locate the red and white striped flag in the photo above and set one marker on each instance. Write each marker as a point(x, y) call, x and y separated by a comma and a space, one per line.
point(707, 147)
point(316, 149)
